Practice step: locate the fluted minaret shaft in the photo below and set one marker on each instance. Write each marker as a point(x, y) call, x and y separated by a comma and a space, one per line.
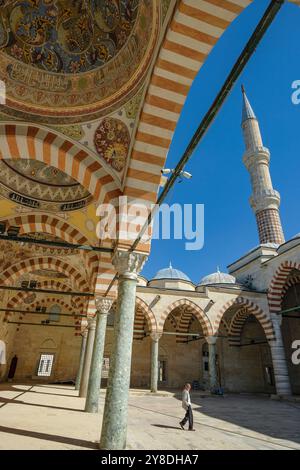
point(265, 200)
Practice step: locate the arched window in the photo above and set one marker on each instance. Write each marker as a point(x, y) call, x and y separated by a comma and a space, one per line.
point(54, 312)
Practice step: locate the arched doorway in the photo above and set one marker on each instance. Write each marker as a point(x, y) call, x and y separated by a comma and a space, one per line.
point(181, 346)
point(290, 326)
point(246, 363)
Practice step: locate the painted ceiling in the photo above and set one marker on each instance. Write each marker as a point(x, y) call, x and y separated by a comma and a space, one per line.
point(74, 59)
point(34, 184)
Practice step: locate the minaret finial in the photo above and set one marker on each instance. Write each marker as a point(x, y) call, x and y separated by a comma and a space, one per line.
point(248, 112)
point(171, 267)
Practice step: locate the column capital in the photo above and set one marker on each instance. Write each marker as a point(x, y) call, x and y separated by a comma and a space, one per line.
point(84, 333)
point(155, 336)
point(103, 305)
point(276, 319)
point(211, 339)
point(128, 264)
point(91, 322)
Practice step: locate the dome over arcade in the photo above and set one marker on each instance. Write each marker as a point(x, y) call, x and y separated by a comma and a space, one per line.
point(171, 273)
point(67, 59)
point(217, 278)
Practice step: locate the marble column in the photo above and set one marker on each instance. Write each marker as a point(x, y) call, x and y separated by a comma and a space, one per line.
point(88, 356)
point(114, 427)
point(94, 384)
point(154, 361)
point(81, 360)
point(213, 377)
point(282, 380)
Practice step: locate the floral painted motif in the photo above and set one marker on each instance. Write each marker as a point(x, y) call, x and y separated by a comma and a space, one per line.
point(66, 36)
point(112, 142)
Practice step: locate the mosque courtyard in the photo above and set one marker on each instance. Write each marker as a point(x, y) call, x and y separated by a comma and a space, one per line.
point(52, 417)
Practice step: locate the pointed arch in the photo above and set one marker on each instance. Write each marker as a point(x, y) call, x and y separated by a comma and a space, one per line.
point(53, 225)
point(143, 313)
point(276, 289)
point(194, 310)
point(28, 141)
point(31, 264)
point(237, 323)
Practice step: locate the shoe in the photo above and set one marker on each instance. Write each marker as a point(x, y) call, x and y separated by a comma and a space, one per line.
point(191, 429)
point(181, 425)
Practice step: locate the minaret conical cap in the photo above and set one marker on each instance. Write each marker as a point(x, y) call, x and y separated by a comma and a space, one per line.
point(248, 112)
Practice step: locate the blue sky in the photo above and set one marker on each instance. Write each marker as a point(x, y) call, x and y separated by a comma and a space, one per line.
point(220, 180)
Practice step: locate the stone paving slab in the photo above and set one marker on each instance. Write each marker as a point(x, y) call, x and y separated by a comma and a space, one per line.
point(53, 417)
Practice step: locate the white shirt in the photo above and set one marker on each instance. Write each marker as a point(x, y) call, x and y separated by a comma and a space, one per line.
point(2, 352)
point(186, 399)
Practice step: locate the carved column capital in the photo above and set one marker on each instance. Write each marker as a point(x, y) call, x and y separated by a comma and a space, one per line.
point(155, 336)
point(128, 264)
point(276, 319)
point(103, 305)
point(211, 339)
point(91, 323)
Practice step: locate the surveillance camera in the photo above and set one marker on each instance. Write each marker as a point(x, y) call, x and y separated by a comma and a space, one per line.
point(186, 174)
point(166, 171)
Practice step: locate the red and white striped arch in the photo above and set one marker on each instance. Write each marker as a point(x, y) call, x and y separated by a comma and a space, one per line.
point(196, 27)
point(193, 309)
point(278, 282)
point(143, 313)
point(29, 141)
point(47, 223)
point(16, 270)
point(53, 225)
point(45, 302)
point(246, 309)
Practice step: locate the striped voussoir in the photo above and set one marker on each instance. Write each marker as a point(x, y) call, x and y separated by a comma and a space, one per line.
point(31, 142)
point(106, 274)
point(194, 310)
point(292, 281)
point(277, 284)
point(48, 301)
point(44, 223)
point(194, 30)
point(143, 313)
point(247, 308)
point(16, 270)
point(184, 323)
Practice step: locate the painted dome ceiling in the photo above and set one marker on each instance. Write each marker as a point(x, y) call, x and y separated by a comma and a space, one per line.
point(34, 184)
point(66, 58)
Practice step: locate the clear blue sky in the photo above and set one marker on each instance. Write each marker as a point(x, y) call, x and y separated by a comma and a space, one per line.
point(220, 180)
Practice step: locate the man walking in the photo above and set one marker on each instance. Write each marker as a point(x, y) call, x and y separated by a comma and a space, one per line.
point(186, 404)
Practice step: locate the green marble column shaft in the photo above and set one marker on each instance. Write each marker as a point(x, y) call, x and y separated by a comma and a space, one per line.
point(213, 377)
point(114, 427)
point(87, 357)
point(281, 373)
point(81, 360)
point(94, 383)
point(154, 362)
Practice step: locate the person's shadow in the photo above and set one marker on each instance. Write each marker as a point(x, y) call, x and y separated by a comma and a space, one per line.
point(167, 427)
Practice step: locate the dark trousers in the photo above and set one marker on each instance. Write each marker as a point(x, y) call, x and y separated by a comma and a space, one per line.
point(188, 417)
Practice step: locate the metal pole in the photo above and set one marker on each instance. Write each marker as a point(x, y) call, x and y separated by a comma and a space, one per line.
point(48, 291)
point(39, 324)
point(34, 312)
point(72, 246)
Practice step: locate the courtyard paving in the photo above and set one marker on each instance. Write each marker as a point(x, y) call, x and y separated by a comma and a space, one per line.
point(51, 417)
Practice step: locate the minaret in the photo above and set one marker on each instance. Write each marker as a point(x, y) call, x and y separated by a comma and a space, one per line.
point(265, 201)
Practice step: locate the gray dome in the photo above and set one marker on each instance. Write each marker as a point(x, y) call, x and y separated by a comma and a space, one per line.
point(296, 236)
point(171, 273)
point(217, 278)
